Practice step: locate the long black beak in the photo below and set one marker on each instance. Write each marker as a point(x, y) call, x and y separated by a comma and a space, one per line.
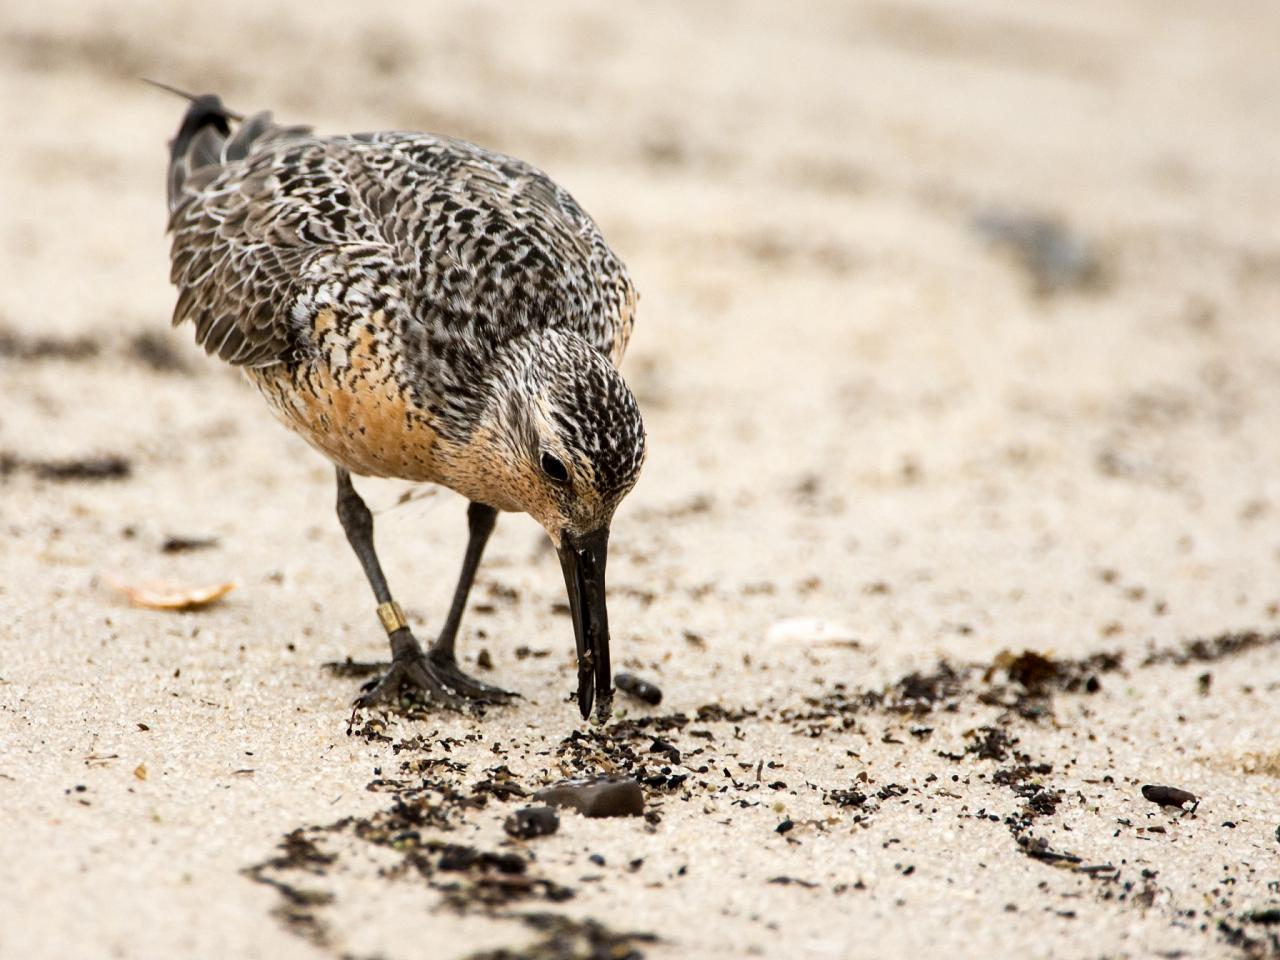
point(582, 559)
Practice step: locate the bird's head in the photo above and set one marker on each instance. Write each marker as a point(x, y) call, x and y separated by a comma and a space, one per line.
point(565, 443)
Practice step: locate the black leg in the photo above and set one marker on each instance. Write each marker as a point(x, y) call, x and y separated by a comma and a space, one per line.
point(480, 523)
point(409, 666)
point(357, 523)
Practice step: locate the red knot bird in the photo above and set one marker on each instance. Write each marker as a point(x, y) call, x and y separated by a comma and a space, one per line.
point(419, 307)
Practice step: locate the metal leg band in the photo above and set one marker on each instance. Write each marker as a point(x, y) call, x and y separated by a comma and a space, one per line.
point(392, 617)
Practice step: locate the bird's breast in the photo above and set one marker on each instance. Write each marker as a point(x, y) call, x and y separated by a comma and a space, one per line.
point(350, 402)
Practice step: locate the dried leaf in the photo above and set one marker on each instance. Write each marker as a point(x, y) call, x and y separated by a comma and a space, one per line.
point(165, 596)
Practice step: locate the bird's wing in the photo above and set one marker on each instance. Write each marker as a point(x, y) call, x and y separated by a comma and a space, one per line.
point(260, 220)
point(480, 247)
point(492, 246)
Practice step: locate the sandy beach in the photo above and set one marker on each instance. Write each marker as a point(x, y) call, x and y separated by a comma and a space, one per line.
point(958, 353)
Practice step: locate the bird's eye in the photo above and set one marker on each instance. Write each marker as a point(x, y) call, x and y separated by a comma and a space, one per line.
point(554, 469)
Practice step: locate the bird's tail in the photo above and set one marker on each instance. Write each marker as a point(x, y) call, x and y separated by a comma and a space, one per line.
point(205, 138)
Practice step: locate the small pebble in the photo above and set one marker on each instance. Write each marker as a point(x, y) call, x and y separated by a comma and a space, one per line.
point(603, 797)
point(1168, 796)
point(640, 689)
point(529, 822)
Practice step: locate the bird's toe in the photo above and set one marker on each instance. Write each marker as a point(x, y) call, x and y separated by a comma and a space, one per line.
point(431, 680)
point(446, 668)
point(414, 678)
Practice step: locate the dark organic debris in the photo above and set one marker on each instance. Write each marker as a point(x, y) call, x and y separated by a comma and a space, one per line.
point(18, 347)
point(156, 351)
point(458, 856)
point(1033, 680)
point(1037, 848)
point(298, 911)
point(300, 853)
point(567, 938)
point(1023, 780)
point(501, 784)
point(353, 668)
point(187, 544)
point(529, 822)
point(601, 797)
point(847, 798)
point(1268, 945)
point(1264, 916)
point(916, 694)
point(788, 881)
point(487, 879)
point(921, 692)
point(153, 350)
point(990, 743)
point(677, 758)
point(1037, 673)
point(719, 713)
point(640, 689)
point(1213, 648)
point(666, 748)
point(1170, 796)
point(109, 467)
point(1054, 258)
point(630, 748)
point(468, 878)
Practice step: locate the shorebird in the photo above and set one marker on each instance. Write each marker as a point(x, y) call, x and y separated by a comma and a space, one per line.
point(419, 307)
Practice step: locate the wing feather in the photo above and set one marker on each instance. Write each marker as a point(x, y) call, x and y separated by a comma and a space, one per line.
point(241, 250)
point(478, 246)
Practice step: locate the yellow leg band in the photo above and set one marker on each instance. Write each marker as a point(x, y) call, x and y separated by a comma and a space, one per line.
point(392, 616)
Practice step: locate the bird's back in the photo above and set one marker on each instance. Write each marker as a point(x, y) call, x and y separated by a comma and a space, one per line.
point(456, 249)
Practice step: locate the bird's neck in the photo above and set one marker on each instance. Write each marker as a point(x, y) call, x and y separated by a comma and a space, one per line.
point(486, 459)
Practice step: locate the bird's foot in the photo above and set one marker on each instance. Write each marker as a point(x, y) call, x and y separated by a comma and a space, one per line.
point(446, 667)
point(431, 677)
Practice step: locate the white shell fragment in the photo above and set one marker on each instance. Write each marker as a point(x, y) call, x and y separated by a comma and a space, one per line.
point(811, 630)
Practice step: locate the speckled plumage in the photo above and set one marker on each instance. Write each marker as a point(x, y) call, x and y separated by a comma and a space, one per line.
point(397, 271)
point(420, 307)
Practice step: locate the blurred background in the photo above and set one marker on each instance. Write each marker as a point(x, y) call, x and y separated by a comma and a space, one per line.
point(958, 333)
point(930, 291)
